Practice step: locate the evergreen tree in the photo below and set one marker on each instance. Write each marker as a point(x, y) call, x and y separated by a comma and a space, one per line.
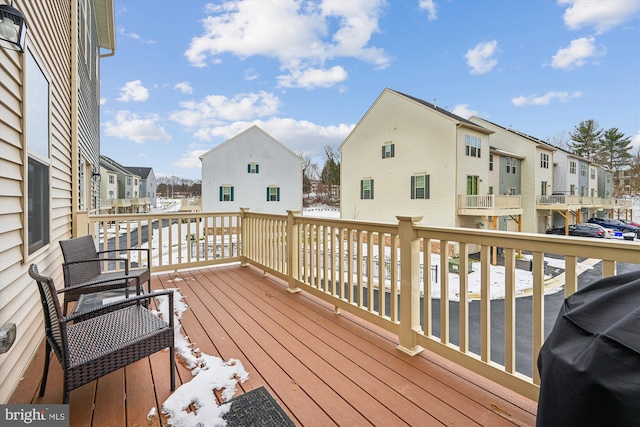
point(614, 150)
point(586, 139)
point(330, 174)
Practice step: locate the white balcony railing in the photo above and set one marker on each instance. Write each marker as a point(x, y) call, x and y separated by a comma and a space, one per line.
point(373, 270)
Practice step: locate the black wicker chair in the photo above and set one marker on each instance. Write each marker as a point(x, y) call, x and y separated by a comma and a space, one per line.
point(94, 343)
point(83, 265)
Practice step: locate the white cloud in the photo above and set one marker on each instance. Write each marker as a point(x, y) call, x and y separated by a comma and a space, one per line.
point(463, 111)
point(134, 36)
point(131, 126)
point(430, 7)
point(313, 34)
point(191, 159)
point(576, 54)
point(250, 74)
point(184, 87)
point(103, 101)
point(214, 109)
point(602, 15)
point(635, 141)
point(545, 99)
point(313, 77)
point(133, 91)
point(481, 59)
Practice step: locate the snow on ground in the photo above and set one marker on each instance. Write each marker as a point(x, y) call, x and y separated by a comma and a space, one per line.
point(209, 373)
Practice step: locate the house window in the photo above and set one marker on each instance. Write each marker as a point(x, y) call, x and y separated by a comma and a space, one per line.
point(253, 167)
point(273, 194)
point(420, 187)
point(388, 150)
point(472, 185)
point(572, 190)
point(544, 161)
point(473, 146)
point(111, 195)
point(514, 163)
point(366, 188)
point(543, 188)
point(135, 182)
point(490, 162)
point(593, 192)
point(593, 173)
point(583, 170)
point(128, 181)
point(490, 190)
point(111, 179)
point(37, 123)
point(508, 163)
point(608, 177)
point(226, 193)
point(572, 168)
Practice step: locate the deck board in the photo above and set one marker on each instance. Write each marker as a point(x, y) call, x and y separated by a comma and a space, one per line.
point(323, 368)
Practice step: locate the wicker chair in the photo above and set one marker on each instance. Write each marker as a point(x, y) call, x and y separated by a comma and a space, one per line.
point(83, 265)
point(96, 342)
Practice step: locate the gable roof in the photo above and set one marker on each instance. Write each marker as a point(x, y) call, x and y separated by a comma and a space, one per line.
point(254, 127)
point(533, 139)
point(142, 172)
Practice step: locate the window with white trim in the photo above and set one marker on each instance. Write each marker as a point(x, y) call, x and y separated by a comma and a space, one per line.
point(366, 188)
point(473, 146)
point(253, 167)
point(420, 186)
point(572, 167)
point(38, 128)
point(273, 193)
point(226, 193)
point(388, 150)
point(593, 173)
point(490, 162)
point(111, 179)
point(544, 160)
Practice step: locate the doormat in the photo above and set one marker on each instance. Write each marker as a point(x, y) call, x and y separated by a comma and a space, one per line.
point(256, 408)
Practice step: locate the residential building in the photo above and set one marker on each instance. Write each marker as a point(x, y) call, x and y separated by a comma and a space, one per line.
point(251, 170)
point(534, 160)
point(129, 197)
point(148, 183)
point(49, 156)
point(424, 161)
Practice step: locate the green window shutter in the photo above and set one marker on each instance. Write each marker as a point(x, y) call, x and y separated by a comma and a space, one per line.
point(426, 187)
point(278, 195)
point(232, 194)
point(220, 193)
point(249, 168)
point(413, 187)
point(362, 189)
point(371, 189)
point(393, 151)
point(383, 151)
point(257, 168)
point(267, 194)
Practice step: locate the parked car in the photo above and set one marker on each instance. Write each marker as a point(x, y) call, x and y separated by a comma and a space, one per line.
point(629, 222)
point(581, 230)
point(627, 230)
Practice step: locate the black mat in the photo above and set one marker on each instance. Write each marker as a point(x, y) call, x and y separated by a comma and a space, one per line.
point(256, 408)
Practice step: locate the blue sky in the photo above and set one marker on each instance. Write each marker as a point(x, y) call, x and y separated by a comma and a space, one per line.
point(188, 75)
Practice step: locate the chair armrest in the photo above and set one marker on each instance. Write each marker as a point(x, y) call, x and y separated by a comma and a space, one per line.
point(66, 265)
point(125, 250)
point(123, 303)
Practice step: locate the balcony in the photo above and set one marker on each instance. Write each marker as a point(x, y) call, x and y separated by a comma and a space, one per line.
point(336, 335)
point(489, 205)
point(569, 202)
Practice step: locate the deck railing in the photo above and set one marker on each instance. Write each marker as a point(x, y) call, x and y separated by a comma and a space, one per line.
point(489, 201)
point(339, 261)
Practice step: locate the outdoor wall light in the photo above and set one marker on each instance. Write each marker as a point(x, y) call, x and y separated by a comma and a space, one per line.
point(7, 337)
point(12, 28)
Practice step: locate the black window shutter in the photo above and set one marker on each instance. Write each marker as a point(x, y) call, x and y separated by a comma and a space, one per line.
point(383, 151)
point(220, 193)
point(267, 194)
point(362, 189)
point(278, 197)
point(232, 194)
point(249, 168)
point(371, 189)
point(393, 151)
point(257, 168)
point(413, 187)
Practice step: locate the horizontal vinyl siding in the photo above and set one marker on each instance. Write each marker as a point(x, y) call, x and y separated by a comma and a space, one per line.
point(19, 299)
point(424, 142)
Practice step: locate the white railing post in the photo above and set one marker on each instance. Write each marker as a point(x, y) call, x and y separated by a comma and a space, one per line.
point(409, 286)
point(293, 251)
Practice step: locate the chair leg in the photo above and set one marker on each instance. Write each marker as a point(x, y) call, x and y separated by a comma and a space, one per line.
point(43, 383)
point(172, 365)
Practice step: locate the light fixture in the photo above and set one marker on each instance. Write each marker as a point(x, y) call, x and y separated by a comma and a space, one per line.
point(12, 28)
point(7, 336)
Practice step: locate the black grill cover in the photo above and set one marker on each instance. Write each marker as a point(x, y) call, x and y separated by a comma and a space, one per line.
point(590, 363)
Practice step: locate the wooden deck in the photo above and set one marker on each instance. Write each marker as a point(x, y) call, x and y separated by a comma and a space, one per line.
point(325, 369)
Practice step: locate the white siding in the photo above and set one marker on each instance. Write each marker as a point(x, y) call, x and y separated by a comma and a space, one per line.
point(227, 163)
